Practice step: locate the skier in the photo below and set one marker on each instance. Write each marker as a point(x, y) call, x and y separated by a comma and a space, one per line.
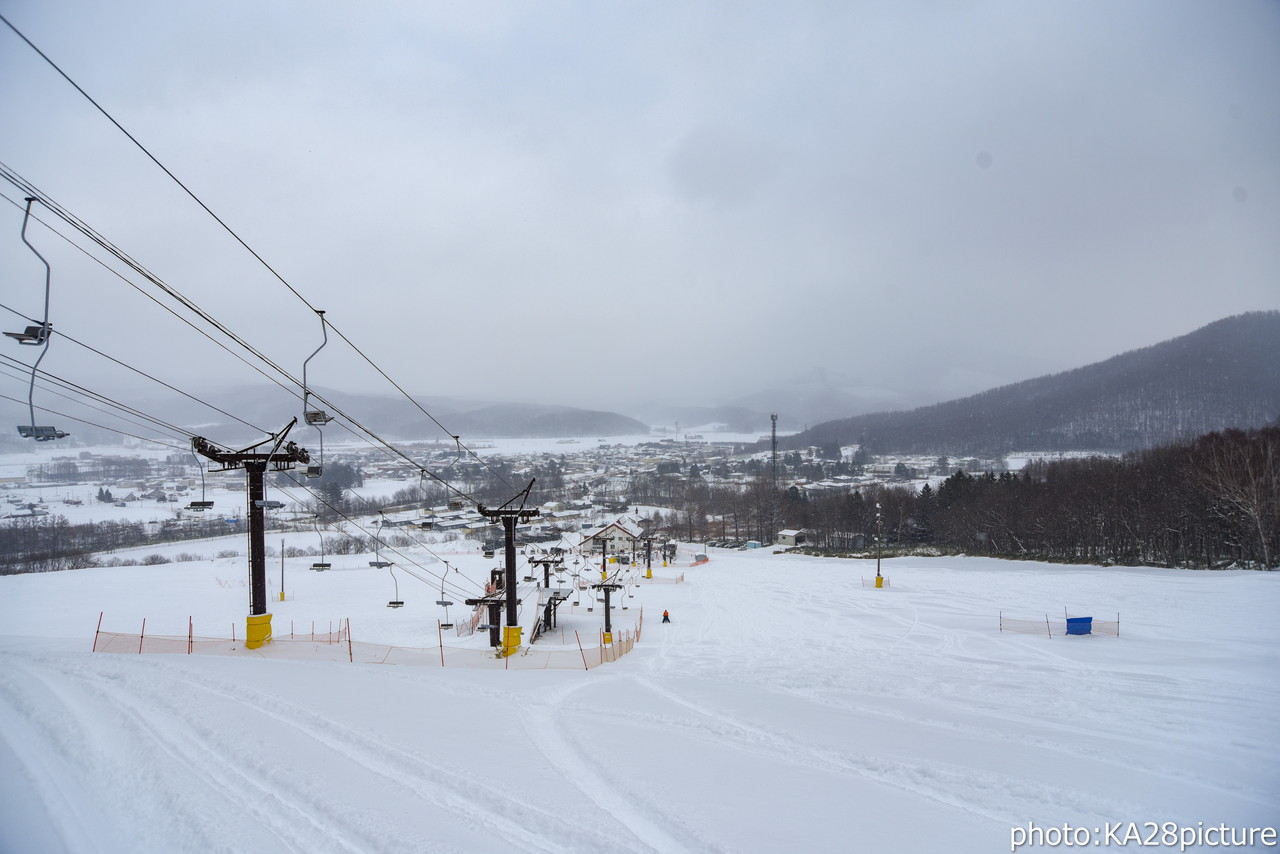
point(666, 616)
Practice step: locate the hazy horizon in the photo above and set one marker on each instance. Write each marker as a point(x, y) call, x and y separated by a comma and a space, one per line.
point(596, 206)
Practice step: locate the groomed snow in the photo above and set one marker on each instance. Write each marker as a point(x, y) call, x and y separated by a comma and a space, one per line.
point(785, 708)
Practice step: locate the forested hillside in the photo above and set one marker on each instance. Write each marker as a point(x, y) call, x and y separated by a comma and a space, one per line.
point(1208, 502)
point(1224, 375)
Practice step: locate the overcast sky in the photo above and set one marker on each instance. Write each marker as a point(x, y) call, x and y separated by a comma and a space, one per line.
point(589, 203)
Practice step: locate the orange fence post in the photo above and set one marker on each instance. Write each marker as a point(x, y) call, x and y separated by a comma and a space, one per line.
point(581, 650)
point(440, 636)
point(96, 631)
point(191, 634)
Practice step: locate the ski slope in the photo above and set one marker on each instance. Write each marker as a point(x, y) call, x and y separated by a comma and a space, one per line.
point(785, 708)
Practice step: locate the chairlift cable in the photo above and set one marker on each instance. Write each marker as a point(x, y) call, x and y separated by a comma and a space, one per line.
point(144, 293)
point(53, 380)
point(155, 422)
point(366, 531)
point(99, 426)
point(152, 157)
point(192, 306)
point(88, 231)
point(62, 334)
point(229, 230)
point(102, 241)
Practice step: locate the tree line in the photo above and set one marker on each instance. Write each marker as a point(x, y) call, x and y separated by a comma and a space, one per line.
point(1210, 502)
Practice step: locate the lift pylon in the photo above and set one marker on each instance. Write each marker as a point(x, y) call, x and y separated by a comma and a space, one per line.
point(281, 457)
point(509, 516)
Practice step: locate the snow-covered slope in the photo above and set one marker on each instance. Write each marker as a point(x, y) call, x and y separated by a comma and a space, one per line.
point(785, 708)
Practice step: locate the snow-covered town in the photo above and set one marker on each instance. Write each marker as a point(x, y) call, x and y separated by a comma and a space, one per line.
point(651, 428)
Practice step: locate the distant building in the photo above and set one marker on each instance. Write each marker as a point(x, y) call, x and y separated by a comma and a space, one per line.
point(791, 538)
point(617, 536)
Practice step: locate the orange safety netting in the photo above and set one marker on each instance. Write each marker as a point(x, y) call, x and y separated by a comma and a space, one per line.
point(338, 646)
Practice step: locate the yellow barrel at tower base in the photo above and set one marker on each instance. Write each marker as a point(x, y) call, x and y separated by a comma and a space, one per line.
point(257, 630)
point(879, 581)
point(511, 639)
point(608, 637)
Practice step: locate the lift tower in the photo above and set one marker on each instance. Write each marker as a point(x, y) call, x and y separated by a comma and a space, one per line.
point(282, 457)
point(509, 516)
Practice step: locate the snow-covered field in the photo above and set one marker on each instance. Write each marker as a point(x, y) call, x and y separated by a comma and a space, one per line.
point(785, 708)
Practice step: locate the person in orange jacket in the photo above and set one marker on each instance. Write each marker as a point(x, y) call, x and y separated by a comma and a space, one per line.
point(666, 616)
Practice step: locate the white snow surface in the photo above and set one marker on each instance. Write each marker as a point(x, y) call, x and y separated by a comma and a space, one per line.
point(786, 708)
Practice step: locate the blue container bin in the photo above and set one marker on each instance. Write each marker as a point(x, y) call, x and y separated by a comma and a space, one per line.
point(1079, 625)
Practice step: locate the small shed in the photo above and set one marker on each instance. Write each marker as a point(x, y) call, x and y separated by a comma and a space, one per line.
point(791, 538)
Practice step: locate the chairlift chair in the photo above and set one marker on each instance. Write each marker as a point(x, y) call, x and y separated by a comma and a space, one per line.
point(268, 504)
point(316, 469)
point(445, 603)
point(320, 565)
point(41, 433)
point(36, 335)
point(396, 602)
point(203, 504)
point(316, 418)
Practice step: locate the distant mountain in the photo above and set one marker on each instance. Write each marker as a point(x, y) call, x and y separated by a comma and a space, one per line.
point(735, 419)
point(820, 395)
point(533, 420)
point(392, 417)
point(1226, 374)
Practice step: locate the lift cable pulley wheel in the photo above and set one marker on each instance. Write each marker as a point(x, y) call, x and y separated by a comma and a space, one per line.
point(36, 335)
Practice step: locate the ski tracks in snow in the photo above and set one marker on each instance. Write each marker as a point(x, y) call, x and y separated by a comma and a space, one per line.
point(996, 797)
point(300, 814)
point(650, 829)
